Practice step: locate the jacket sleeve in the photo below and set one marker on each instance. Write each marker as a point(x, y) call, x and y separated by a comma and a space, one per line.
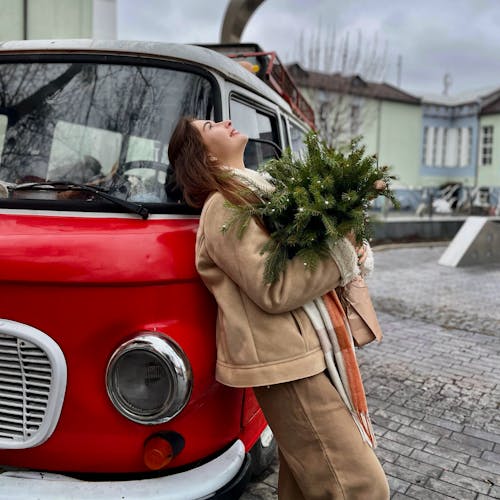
point(240, 259)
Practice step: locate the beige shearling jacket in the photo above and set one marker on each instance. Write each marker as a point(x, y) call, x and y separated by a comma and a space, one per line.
point(263, 335)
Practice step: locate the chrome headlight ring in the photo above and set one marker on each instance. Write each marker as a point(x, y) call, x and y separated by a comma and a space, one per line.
point(149, 379)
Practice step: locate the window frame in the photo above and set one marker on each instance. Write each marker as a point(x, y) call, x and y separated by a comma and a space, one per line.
point(259, 108)
point(486, 145)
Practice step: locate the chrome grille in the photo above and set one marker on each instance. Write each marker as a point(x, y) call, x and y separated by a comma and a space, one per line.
point(32, 385)
point(25, 379)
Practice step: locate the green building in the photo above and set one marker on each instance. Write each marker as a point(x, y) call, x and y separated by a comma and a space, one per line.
point(388, 119)
point(47, 19)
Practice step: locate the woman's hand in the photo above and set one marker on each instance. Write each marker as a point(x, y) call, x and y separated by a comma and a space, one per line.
point(360, 249)
point(361, 253)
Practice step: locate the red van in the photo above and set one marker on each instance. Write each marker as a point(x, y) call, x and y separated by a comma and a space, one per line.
point(107, 341)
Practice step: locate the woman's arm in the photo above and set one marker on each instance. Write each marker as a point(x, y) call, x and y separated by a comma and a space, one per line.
point(241, 260)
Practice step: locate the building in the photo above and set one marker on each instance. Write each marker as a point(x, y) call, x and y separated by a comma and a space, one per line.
point(47, 19)
point(388, 119)
point(429, 141)
point(458, 139)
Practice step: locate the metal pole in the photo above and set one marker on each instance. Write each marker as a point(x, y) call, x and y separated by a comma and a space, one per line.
point(25, 19)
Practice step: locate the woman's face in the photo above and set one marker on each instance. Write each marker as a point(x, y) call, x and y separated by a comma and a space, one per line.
point(222, 140)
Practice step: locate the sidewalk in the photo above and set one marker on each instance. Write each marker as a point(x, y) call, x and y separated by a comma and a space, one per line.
point(433, 384)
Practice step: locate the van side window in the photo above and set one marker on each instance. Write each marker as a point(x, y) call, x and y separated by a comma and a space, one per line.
point(297, 139)
point(259, 125)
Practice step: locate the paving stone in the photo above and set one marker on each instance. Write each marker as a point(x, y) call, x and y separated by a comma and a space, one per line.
point(431, 428)
point(395, 417)
point(386, 455)
point(465, 482)
point(494, 492)
point(396, 484)
point(398, 448)
point(386, 423)
point(485, 465)
point(400, 496)
point(442, 422)
point(405, 474)
point(451, 490)
point(407, 412)
point(418, 466)
point(481, 444)
point(483, 475)
point(491, 457)
point(418, 434)
point(487, 436)
point(458, 446)
point(404, 439)
point(432, 459)
point(415, 491)
point(447, 453)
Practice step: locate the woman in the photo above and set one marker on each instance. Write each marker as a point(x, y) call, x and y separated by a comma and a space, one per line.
point(265, 339)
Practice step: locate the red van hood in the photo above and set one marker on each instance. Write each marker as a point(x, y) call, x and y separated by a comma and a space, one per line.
point(55, 249)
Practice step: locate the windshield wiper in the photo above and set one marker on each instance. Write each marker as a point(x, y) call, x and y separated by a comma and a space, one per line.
point(130, 206)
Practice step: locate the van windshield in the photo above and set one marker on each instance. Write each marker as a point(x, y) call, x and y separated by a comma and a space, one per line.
point(103, 125)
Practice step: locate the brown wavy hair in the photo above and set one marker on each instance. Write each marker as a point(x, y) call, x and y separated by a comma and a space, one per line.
point(196, 175)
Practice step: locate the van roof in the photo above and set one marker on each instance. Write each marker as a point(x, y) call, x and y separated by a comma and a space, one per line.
point(171, 51)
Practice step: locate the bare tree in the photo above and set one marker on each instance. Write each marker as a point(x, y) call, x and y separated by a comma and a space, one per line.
point(341, 75)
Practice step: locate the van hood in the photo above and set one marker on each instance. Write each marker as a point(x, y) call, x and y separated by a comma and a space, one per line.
point(96, 249)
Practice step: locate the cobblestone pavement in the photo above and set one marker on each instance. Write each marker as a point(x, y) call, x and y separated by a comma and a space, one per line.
point(433, 384)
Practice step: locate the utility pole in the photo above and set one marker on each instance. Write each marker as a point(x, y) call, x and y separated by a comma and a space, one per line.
point(400, 70)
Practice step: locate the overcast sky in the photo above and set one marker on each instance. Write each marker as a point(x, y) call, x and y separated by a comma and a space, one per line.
point(433, 37)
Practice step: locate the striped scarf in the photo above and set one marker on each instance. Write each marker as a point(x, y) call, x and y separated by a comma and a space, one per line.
point(330, 323)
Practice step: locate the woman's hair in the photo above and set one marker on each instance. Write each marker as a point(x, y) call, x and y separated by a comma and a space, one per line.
point(196, 174)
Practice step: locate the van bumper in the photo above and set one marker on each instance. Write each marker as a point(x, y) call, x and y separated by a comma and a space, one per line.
point(222, 478)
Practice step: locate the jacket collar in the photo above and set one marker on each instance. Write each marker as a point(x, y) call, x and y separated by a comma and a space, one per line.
point(256, 181)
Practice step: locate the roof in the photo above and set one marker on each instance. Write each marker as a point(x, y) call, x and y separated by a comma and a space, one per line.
point(468, 97)
point(492, 108)
point(201, 56)
point(353, 85)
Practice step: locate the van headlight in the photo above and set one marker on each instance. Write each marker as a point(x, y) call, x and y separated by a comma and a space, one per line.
point(149, 379)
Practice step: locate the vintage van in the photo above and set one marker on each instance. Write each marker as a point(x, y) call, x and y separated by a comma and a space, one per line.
point(107, 342)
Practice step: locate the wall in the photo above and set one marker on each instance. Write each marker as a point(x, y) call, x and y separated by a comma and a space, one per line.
point(48, 19)
point(393, 131)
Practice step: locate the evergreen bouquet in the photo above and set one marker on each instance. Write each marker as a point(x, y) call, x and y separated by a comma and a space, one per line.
point(315, 202)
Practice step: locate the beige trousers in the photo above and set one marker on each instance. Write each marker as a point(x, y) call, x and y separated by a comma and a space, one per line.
point(322, 455)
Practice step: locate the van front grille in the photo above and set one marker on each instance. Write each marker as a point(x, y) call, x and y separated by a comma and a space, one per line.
point(25, 380)
point(32, 385)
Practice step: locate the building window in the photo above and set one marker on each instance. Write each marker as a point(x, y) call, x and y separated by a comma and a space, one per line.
point(438, 152)
point(469, 152)
point(443, 152)
point(424, 146)
point(434, 146)
point(487, 145)
point(464, 146)
point(451, 147)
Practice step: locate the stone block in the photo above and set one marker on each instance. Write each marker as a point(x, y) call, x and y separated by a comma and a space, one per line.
point(477, 242)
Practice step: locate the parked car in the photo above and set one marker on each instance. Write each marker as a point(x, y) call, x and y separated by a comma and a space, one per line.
point(107, 334)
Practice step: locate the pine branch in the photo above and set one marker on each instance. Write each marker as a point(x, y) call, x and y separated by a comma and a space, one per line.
point(316, 202)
